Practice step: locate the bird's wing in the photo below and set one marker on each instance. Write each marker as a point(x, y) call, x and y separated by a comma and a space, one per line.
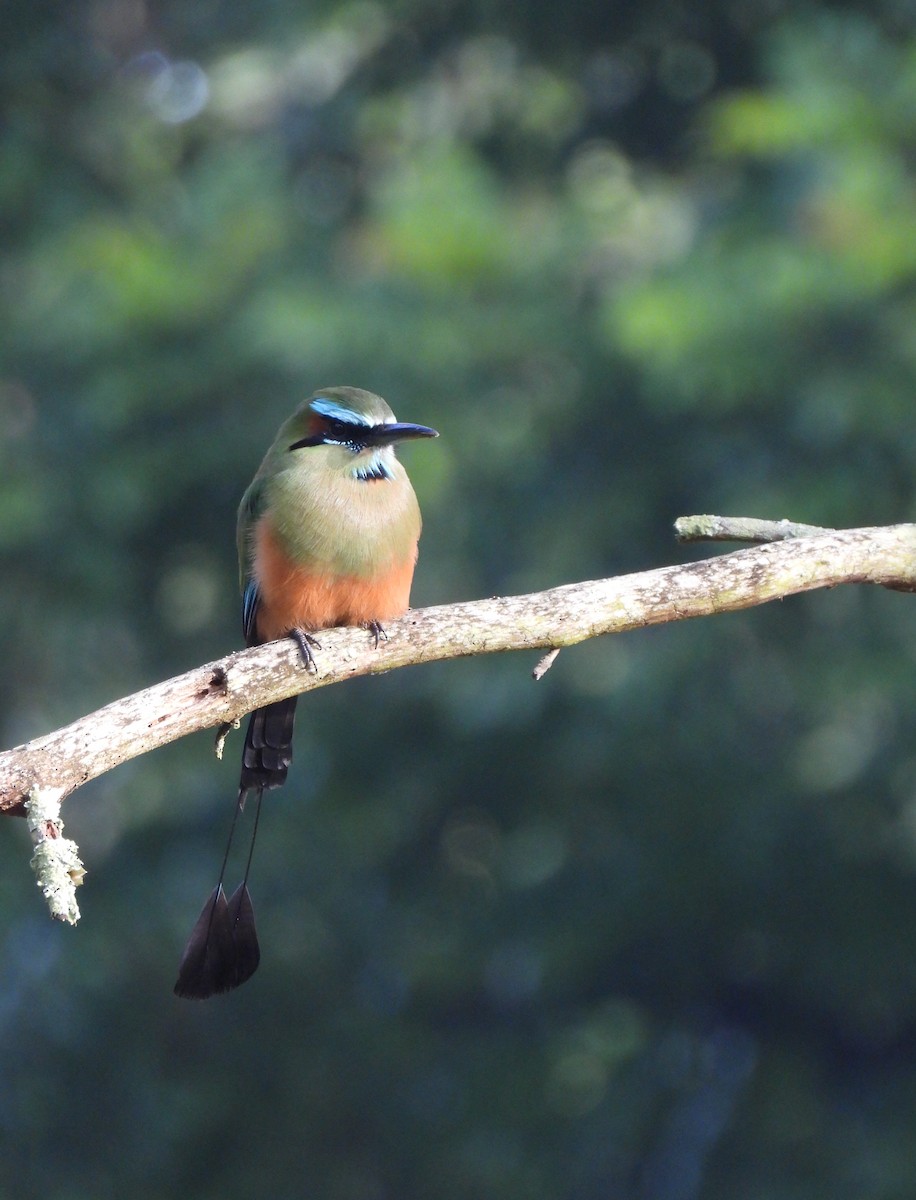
point(251, 602)
point(249, 511)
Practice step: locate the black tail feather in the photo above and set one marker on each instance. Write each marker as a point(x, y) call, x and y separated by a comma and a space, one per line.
point(268, 745)
point(222, 951)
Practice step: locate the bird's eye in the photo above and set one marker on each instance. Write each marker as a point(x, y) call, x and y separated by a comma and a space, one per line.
point(339, 430)
point(344, 433)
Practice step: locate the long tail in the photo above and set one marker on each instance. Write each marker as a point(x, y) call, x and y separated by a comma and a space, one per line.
point(223, 951)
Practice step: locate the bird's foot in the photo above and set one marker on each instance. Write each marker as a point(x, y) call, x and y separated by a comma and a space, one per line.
point(377, 632)
point(306, 643)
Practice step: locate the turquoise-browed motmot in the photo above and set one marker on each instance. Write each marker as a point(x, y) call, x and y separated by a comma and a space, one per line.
point(327, 535)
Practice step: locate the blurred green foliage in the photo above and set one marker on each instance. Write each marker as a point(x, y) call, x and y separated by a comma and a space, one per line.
point(646, 929)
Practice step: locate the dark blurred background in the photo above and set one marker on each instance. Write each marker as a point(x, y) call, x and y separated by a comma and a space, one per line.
point(645, 930)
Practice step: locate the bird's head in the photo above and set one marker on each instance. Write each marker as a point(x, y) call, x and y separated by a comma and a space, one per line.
point(357, 427)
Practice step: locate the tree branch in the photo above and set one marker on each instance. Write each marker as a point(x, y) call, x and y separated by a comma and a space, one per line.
point(741, 529)
point(224, 691)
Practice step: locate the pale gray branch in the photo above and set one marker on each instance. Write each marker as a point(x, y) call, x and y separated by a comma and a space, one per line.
point(741, 529)
point(224, 691)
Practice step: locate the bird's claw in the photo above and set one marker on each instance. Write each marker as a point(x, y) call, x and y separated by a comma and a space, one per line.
point(306, 643)
point(375, 628)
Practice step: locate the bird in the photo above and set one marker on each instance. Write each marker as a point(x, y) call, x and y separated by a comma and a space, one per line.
point(327, 536)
